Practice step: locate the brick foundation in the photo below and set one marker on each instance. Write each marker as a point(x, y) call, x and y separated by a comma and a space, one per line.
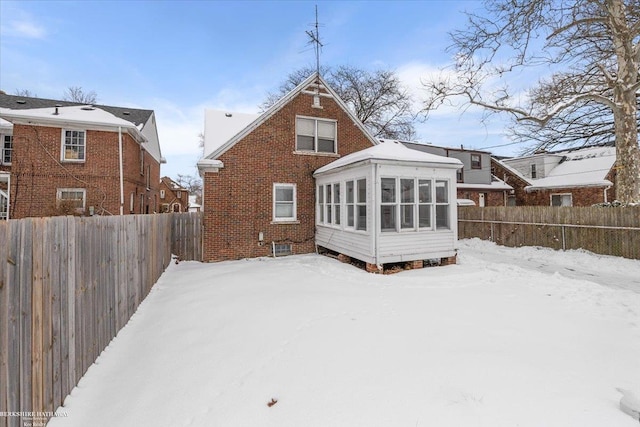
point(449, 260)
point(344, 258)
point(373, 268)
point(414, 265)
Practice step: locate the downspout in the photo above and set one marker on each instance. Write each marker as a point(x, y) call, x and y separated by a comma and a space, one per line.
point(605, 194)
point(121, 174)
point(9, 197)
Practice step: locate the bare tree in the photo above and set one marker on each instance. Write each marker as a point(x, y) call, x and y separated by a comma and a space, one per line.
point(591, 48)
point(191, 183)
point(77, 94)
point(377, 98)
point(25, 92)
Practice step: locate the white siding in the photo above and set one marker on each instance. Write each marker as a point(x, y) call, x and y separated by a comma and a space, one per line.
point(356, 245)
point(395, 247)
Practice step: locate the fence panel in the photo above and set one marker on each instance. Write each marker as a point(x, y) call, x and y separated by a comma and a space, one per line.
point(67, 286)
point(607, 231)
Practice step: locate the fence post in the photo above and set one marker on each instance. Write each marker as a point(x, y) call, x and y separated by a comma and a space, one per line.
point(563, 241)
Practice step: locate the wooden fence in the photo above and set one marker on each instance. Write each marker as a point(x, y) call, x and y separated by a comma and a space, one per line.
point(607, 231)
point(67, 286)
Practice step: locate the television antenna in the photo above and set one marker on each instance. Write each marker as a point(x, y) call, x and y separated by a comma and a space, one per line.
point(314, 37)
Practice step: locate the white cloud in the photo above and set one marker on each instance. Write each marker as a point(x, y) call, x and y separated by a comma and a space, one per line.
point(27, 29)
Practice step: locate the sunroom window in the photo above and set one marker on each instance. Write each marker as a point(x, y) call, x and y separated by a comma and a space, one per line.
point(442, 205)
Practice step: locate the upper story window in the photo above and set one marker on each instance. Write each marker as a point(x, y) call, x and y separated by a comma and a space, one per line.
point(73, 145)
point(284, 202)
point(534, 172)
point(316, 135)
point(476, 161)
point(7, 149)
point(459, 175)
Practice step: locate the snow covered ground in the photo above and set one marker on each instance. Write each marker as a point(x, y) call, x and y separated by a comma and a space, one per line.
point(508, 337)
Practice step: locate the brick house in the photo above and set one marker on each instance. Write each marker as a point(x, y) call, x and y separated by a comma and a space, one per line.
point(576, 177)
point(63, 158)
point(260, 197)
point(475, 181)
point(173, 196)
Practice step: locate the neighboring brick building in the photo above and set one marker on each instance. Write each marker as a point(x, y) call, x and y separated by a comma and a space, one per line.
point(65, 158)
point(578, 177)
point(173, 196)
point(258, 188)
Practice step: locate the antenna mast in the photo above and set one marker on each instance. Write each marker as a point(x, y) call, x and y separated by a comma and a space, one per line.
point(315, 40)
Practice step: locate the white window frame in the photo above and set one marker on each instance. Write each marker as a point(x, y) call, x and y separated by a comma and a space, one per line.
point(444, 203)
point(59, 198)
point(562, 196)
point(394, 204)
point(315, 135)
point(162, 194)
point(293, 218)
point(63, 145)
point(3, 150)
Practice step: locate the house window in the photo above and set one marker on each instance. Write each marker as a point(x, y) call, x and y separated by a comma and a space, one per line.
point(442, 205)
point(131, 202)
point(162, 194)
point(336, 204)
point(73, 145)
point(562, 199)
point(179, 194)
point(176, 207)
point(361, 205)
point(460, 175)
point(282, 249)
point(149, 178)
point(407, 203)
point(72, 198)
point(328, 198)
point(315, 135)
point(142, 203)
point(350, 203)
point(424, 203)
point(476, 161)
point(388, 204)
point(284, 202)
point(141, 160)
point(534, 173)
point(321, 205)
point(7, 149)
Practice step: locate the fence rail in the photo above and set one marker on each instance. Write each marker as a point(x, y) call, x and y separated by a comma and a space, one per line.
point(608, 231)
point(67, 286)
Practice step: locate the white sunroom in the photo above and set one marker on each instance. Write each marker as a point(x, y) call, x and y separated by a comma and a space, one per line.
point(388, 204)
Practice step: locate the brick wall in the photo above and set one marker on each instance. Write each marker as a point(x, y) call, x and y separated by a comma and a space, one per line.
point(238, 199)
point(37, 172)
point(585, 196)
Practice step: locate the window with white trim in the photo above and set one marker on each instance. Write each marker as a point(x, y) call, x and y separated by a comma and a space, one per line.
point(7, 149)
point(388, 204)
point(336, 204)
point(329, 198)
point(361, 204)
point(442, 205)
point(565, 199)
point(284, 202)
point(424, 203)
point(74, 198)
point(316, 135)
point(350, 199)
point(321, 205)
point(476, 161)
point(407, 203)
point(73, 145)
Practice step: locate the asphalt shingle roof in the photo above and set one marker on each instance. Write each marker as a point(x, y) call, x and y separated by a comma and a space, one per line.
point(16, 102)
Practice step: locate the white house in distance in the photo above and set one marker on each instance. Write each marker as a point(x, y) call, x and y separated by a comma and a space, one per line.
point(388, 204)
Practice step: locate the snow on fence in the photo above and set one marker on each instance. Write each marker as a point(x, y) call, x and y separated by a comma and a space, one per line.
point(607, 231)
point(67, 286)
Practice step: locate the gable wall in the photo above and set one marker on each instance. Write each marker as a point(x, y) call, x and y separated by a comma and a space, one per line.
point(238, 199)
point(36, 171)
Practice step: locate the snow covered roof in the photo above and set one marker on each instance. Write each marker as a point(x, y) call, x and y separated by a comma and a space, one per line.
point(391, 151)
point(220, 126)
point(587, 167)
point(77, 114)
point(496, 184)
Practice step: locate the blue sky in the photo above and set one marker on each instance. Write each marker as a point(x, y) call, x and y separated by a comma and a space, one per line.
point(180, 57)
